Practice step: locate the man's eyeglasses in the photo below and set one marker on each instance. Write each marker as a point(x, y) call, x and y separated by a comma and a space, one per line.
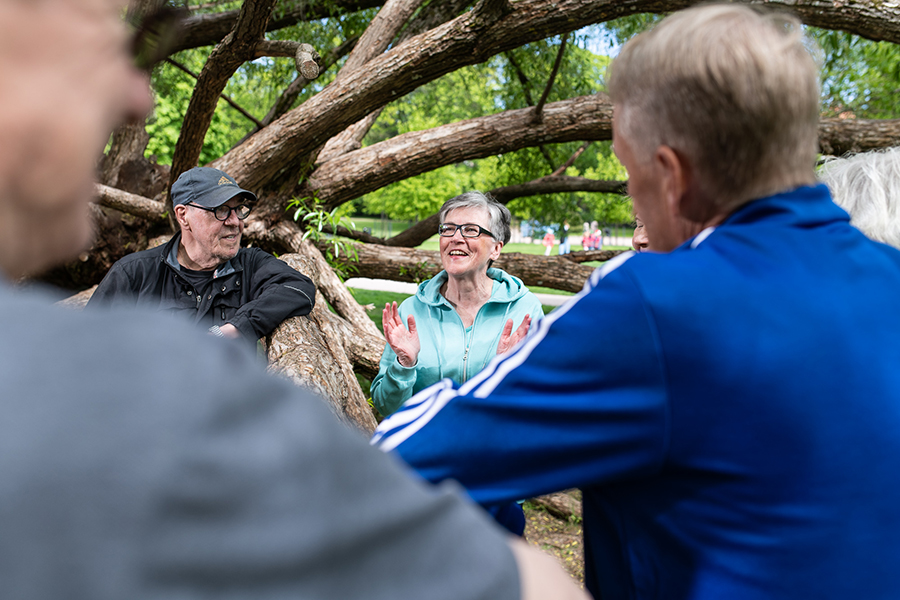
point(156, 34)
point(223, 211)
point(468, 230)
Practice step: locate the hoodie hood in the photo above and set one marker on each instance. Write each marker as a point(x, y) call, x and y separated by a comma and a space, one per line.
point(506, 288)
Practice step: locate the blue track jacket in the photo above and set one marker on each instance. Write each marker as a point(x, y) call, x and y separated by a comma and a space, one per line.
point(736, 432)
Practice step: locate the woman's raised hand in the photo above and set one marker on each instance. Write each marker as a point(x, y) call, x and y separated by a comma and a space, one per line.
point(404, 342)
point(510, 338)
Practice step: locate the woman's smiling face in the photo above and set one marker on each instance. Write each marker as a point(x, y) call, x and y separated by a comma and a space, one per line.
point(462, 257)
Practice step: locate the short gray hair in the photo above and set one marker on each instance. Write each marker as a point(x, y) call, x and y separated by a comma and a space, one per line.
point(499, 215)
point(734, 89)
point(867, 186)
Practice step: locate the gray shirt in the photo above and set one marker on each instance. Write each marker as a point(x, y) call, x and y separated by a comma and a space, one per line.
point(141, 459)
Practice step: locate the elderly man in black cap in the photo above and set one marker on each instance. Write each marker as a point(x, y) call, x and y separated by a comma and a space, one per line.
point(203, 272)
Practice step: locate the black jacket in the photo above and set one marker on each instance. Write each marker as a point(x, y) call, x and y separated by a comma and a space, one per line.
point(254, 291)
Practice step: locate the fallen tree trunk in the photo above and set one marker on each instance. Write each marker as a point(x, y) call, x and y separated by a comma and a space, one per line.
point(310, 351)
point(410, 264)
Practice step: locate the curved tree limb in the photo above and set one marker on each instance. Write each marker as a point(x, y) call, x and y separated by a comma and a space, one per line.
point(209, 29)
point(469, 39)
point(370, 168)
point(376, 39)
point(131, 204)
point(413, 265)
point(238, 47)
point(288, 236)
point(841, 136)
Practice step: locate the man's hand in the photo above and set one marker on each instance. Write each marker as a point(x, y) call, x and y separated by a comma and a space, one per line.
point(541, 577)
point(508, 338)
point(404, 342)
point(230, 331)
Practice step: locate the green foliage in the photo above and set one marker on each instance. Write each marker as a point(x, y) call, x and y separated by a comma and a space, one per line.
point(859, 77)
point(172, 93)
point(418, 272)
point(314, 221)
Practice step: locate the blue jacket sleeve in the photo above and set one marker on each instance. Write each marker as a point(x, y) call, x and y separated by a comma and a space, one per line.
point(581, 401)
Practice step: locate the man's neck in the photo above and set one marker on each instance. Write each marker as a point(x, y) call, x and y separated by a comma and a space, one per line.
point(186, 261)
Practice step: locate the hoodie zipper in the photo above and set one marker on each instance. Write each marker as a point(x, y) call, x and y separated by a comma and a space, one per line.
point(468, 340)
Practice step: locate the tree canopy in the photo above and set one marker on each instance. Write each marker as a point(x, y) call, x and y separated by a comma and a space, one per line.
point(393, 107)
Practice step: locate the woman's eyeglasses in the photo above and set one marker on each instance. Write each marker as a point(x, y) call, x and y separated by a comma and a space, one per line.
point(468, 230)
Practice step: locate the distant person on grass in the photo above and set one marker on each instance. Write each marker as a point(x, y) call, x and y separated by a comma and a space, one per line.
point(736, 433)
point(461, 318)
point(141, 459)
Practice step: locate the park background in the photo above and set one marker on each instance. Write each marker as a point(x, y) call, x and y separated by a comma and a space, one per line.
point(506, 97)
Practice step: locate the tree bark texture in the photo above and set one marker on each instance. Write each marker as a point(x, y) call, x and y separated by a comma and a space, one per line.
point(413, 265)
point(310, 351)
point(469, 39)
point(209, 29)
point(238, 47)
point(373, 167)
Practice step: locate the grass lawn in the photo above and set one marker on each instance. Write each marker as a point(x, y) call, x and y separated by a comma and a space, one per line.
point(379, 299)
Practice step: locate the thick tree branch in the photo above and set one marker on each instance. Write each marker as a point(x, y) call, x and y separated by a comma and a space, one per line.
point(237, 48)
point(554, 184)
point(466, 40)
point(289, 237)
point(210, 29)
point(131, 204)
point(370, 168)
point(351, 138)
point(410, 264)
point(376, 39)
point(840, 136)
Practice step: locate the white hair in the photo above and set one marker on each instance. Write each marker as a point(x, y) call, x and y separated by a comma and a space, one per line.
point(867, 185)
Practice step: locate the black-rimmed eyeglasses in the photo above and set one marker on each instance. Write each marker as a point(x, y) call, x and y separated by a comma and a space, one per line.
point(223, 211)
point(468, 230)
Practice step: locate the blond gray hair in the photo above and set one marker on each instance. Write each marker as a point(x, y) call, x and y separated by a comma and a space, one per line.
point(733, 89)
point(867, 186)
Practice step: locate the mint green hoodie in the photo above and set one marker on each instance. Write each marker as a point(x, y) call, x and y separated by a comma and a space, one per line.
point(447, 348)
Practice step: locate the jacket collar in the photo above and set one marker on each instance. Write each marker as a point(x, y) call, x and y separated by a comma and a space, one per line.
point(806, 206)
point(170, 255)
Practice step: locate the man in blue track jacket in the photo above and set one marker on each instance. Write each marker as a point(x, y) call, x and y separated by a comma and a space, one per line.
point(737, 433)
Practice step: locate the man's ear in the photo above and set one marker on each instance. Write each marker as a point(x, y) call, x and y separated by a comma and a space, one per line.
point(681, 186)
point(674, 178)
point(180, 212)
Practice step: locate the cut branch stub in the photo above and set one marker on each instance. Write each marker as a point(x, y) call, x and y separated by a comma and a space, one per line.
point(307, 60)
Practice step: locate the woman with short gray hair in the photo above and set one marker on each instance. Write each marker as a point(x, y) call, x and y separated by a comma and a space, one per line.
point(464, 316)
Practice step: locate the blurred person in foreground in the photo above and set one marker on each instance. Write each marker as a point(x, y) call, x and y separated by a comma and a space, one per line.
point(203, 273)
point(735, 435)
point(461, 318)
point(141, 459)
point(867, 185)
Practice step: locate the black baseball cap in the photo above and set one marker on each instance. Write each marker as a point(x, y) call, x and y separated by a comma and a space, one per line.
point(207, 187)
